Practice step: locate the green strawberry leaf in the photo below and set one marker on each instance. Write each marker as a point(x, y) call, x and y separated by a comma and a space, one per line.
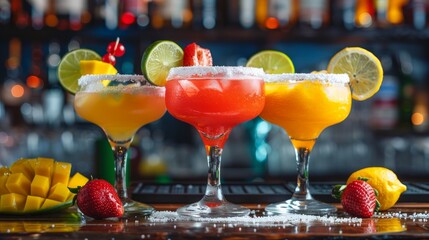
point(337, 191)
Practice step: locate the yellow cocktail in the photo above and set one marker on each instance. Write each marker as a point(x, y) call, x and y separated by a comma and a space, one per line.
point(120, 115)
point(304, 105)
point(120, 105)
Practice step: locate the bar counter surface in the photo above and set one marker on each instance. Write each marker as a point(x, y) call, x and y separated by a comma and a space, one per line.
point(403, 221)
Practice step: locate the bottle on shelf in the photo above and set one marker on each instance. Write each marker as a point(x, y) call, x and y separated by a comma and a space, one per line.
point(286, 12)
point(415, 14)
point(63, 14)
point(53, 95)
point(381, 13)
point(261, 13)
point(246, 13)
point(205, 13)
point(420, 117)
point(314, 14)
point(96, 13)
point(35, 79)
point(406, 89)
point(20, 13)
point(38, 9)
point(395, 14)
point(5, 12)
point(365, 13)
point(278, 14)
point(111, 17)
point(14, 91)
point(343, 14)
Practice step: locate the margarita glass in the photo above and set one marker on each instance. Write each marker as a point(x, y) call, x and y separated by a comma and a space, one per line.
point(214, 100)
point(120, 105)
point(304, 105)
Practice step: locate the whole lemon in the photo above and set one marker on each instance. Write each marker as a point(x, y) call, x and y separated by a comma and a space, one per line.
point(384, 181)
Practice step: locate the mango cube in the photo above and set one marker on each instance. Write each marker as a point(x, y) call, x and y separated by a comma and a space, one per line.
point(3, 188)
point(59, 192)
point(18, 183)
point(40, 186)
point(33, 203)
point(70, 197)
point(77, 180)
point(61, 173)
point(22, 166)
point(48, 203)
point(43, 166)
point(12, 202)
point(96, 67)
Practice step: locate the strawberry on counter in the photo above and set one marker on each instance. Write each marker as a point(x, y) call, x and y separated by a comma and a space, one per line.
point(98, 199)
point(358, 198)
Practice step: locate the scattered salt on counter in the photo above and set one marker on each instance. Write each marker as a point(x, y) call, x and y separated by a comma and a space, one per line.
point(400, 215)
point(169, 216)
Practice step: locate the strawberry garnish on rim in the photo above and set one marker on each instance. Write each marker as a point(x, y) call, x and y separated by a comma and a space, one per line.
point(358, 198)
point(194, 55)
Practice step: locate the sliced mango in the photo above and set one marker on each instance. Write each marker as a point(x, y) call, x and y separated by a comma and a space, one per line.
point(40, 186)
point(59, 192)
point(18, 183)
point(77, 180)
point(61, 173)
point(22, 166)
point(49, 203)
point(33, 185)
point(96, 67)
point(43, 166)
point(33, 203)
point(11, 202)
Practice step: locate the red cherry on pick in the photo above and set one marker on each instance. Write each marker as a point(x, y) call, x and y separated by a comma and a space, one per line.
point(109, 58)
point(119, 51)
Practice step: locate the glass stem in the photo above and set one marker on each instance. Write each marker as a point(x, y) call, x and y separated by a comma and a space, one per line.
point(302, 160)
point(214, 190)
point(120, 155)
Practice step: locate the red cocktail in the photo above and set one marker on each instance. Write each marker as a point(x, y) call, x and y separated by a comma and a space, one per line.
point(214, 100)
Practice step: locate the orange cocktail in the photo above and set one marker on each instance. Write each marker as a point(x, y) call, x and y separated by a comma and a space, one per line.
point(214, 100)
point(304, 105)
point(120, 105)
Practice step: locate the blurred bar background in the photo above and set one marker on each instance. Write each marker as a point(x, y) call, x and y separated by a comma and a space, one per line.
point(391, 129)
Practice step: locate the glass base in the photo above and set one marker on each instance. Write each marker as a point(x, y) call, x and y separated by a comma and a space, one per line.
point(308, 207)
point(203, 209)
point(134, 208)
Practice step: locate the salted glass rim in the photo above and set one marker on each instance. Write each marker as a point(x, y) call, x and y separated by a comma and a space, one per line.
point(296, 77)
point(90, 78)
point(201, 71)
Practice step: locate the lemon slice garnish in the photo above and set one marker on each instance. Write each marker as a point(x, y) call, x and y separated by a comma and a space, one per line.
point(364, 70)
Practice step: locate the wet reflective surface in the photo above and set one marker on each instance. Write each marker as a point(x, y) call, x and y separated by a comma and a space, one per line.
point(403, 221)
